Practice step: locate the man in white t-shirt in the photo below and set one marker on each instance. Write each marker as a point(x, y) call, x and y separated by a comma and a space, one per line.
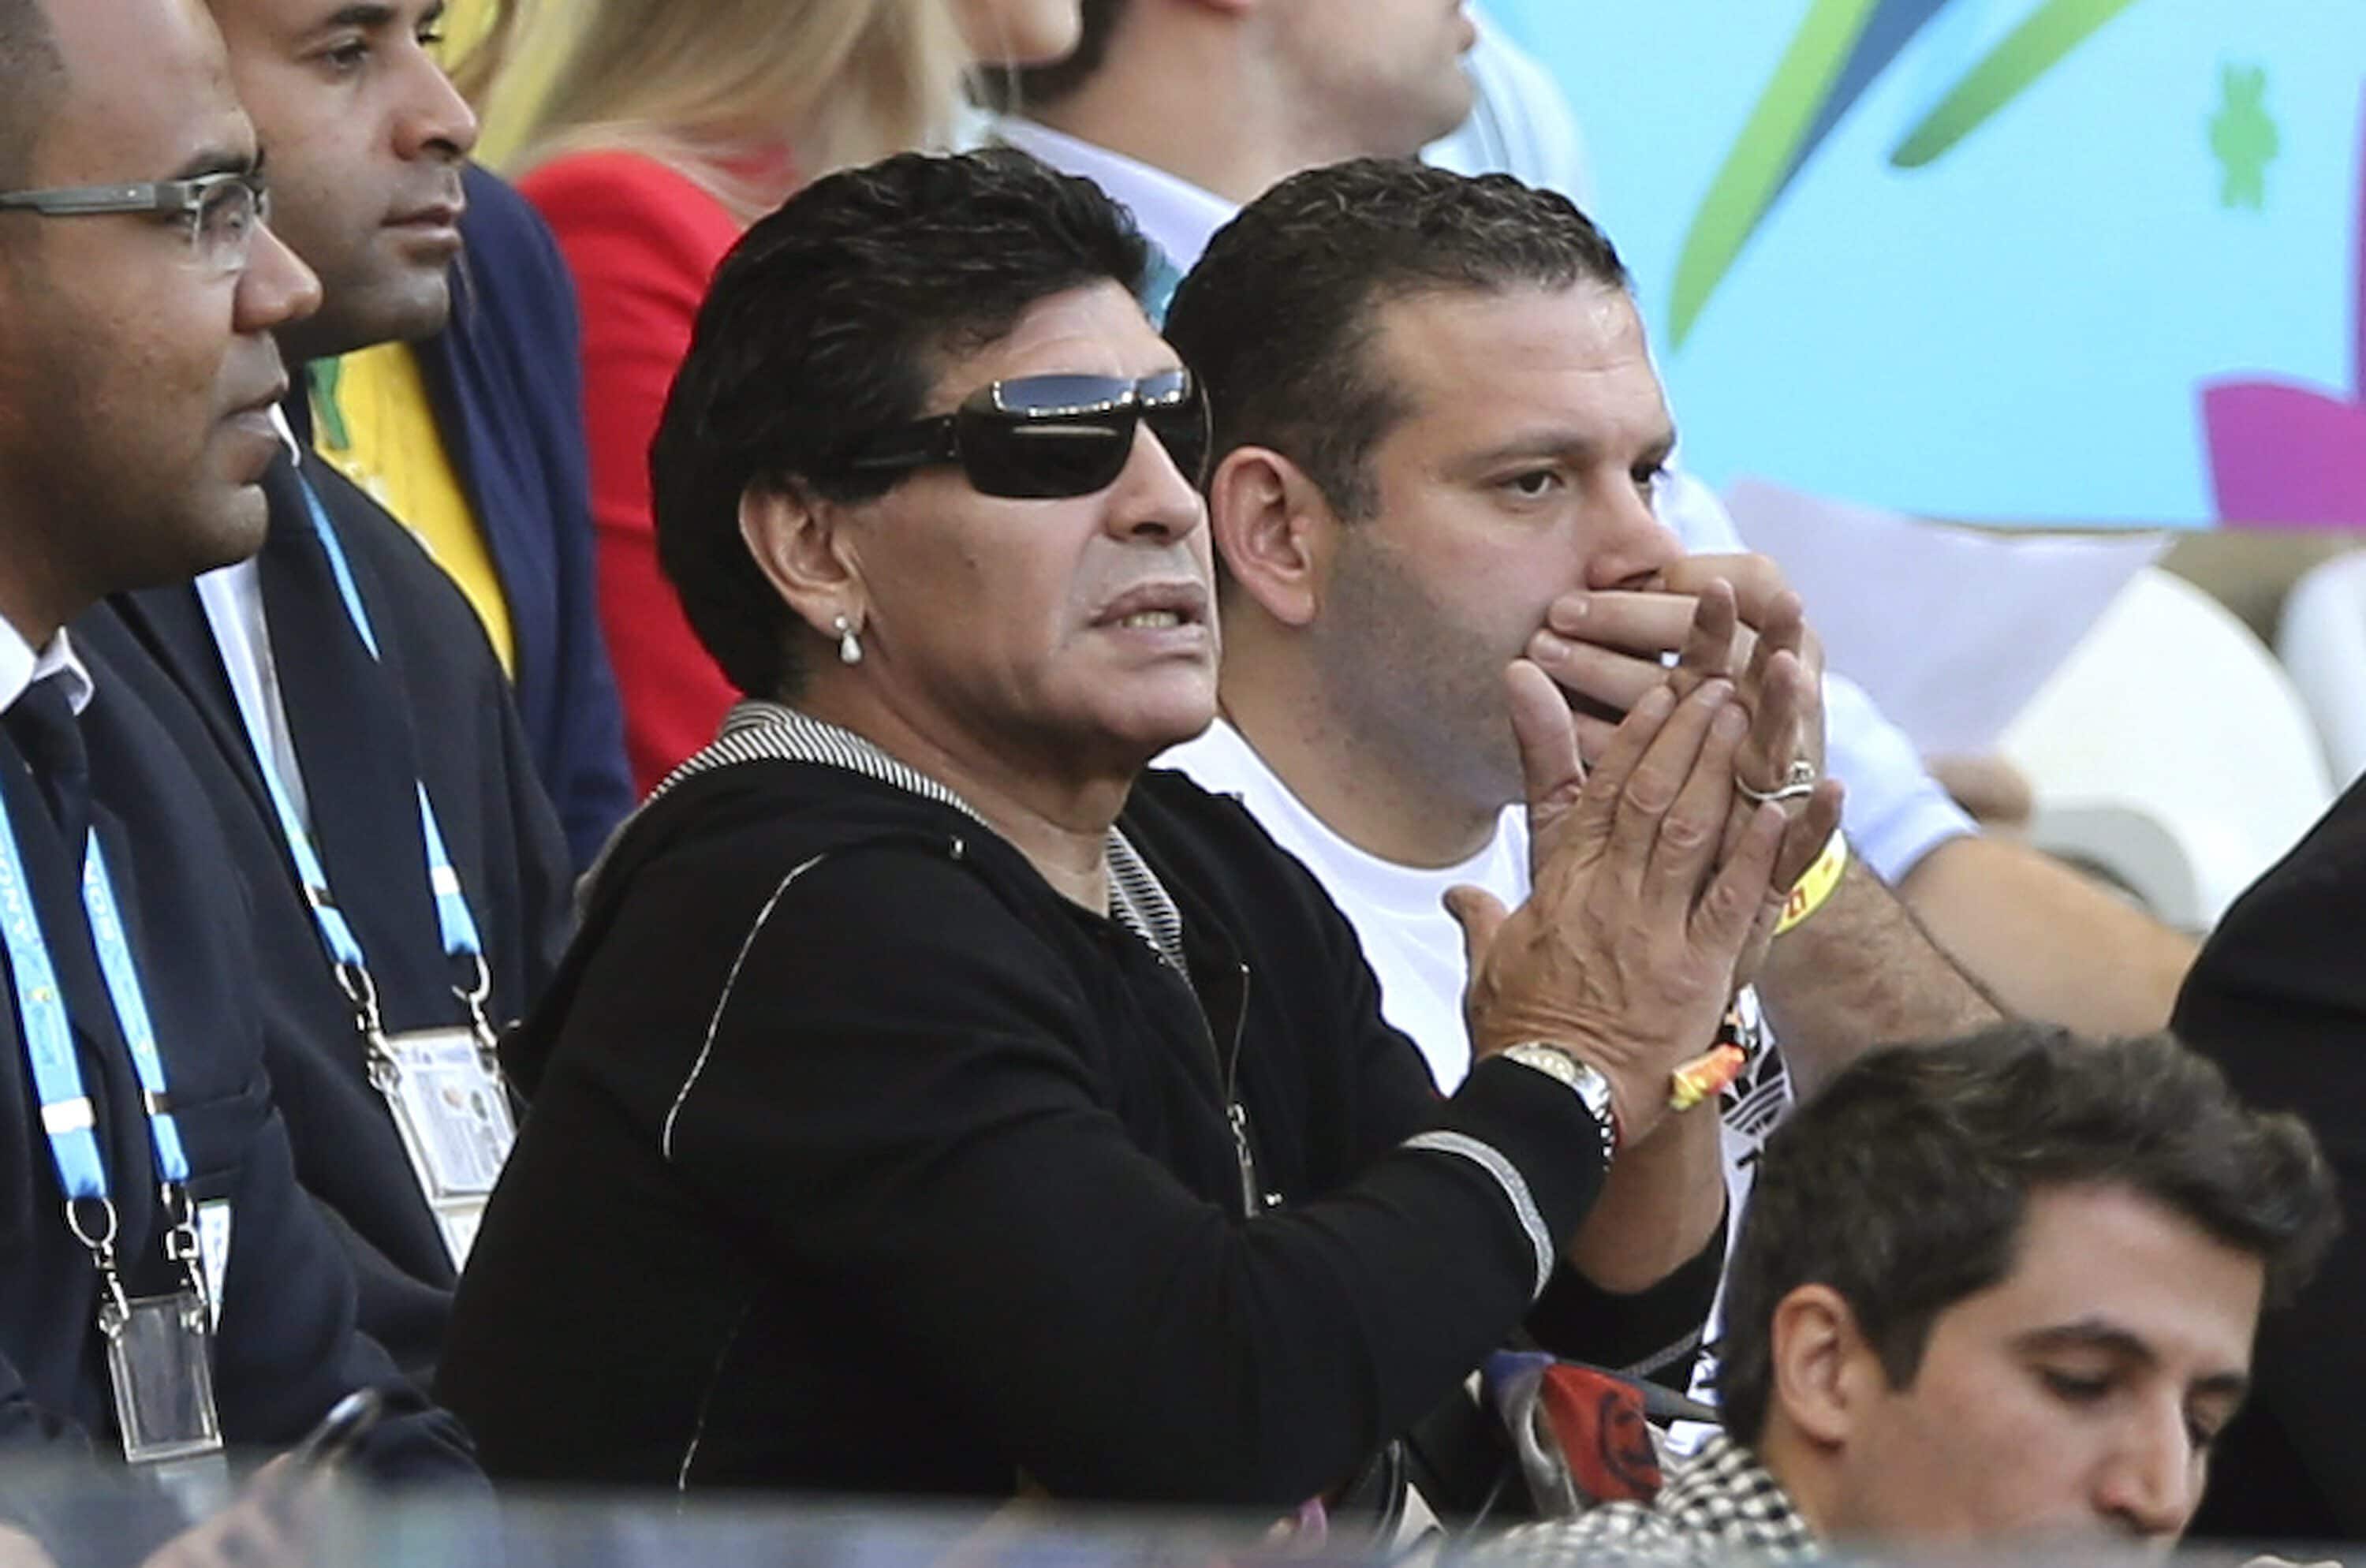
point(1185, 109)
point(1435, 419)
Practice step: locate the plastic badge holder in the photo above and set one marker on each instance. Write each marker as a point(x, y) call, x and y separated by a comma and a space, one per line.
point(160, 1363)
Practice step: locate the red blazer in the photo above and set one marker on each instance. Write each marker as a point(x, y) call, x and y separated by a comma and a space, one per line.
point(643, 242)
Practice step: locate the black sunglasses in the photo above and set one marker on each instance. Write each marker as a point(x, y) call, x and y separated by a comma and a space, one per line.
point(1046, 437)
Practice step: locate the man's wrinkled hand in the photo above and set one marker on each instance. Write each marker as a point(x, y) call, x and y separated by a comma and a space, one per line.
point(1644, 896)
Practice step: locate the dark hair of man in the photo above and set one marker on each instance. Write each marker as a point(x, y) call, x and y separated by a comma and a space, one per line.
point(1041, 87)
point(1279, 317)
point(1902, 1186)
point(826, 325)
point(32, 80)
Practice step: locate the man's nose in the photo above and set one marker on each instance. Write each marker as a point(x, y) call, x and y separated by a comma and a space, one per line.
point(1154, 498)
point(2153, 1483)
point(276, 288)
point(1630, 544)
point(435, 118)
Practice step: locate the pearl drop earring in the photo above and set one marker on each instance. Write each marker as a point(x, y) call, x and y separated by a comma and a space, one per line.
point(849, 642)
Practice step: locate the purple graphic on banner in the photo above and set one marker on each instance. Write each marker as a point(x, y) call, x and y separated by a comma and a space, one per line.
point(2288, 455)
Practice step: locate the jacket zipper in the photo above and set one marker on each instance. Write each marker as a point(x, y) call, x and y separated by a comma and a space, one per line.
point(1250, 1202)
point(1228, 1066)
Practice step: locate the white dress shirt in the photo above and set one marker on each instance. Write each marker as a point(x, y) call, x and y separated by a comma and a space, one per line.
point(1176, 216)
point(233, 597)
point(1521, 123)
point(21, 668)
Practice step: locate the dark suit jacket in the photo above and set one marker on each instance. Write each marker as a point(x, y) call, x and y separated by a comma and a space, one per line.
point(288, 1345)
point(506, 379)
point(454, 707)
point(2278, 999)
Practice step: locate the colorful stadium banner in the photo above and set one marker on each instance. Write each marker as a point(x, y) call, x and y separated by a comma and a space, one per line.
point(2043, 261)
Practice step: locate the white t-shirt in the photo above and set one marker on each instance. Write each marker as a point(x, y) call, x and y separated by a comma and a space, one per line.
point(1414, 946)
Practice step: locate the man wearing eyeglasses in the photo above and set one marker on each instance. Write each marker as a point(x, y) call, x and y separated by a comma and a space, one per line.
point(341, 700)
point(166, 1288)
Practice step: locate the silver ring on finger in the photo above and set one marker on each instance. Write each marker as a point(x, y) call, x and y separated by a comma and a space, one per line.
point(1799, 782)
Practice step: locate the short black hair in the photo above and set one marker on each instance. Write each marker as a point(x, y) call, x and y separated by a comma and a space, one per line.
point(1278, 318)
point(32, 82)
point(827, 324)
point(1041, 87)
point(1902, 1186)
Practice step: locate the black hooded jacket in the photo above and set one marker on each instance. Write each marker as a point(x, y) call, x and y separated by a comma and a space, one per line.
point(859, 1160)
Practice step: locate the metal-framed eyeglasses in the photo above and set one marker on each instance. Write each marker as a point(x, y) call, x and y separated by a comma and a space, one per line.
point(1048, 437)
point(220, 211)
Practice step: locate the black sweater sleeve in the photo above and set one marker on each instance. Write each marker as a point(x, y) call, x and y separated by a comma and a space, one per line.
point(902, 1089)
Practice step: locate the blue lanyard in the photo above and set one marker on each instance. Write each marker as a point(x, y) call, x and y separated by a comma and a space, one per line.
point(456, 923)
point(67, 1115)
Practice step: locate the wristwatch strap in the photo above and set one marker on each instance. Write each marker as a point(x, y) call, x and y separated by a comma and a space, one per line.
point(1565, 1068)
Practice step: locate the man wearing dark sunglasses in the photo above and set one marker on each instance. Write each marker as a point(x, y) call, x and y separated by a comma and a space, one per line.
point(165, 1285)
point(1045, 437)
point(921, 1048)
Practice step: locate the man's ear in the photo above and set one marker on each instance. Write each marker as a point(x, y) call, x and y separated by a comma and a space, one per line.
point(800, 544)
point(1826, 1372)
point(1276, 531)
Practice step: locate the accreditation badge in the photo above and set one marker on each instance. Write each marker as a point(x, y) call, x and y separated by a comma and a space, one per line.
point(453, 1113)
point(159, 1365)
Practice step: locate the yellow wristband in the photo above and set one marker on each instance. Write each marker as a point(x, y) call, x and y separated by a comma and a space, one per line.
point(1807, 895)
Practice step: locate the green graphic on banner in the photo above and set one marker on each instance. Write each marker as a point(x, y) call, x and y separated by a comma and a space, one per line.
point(1761, 163)
point(1840, 48)
point(2033, 49)
point(2243, 137)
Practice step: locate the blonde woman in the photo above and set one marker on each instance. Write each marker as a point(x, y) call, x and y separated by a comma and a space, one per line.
point(667, 128)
